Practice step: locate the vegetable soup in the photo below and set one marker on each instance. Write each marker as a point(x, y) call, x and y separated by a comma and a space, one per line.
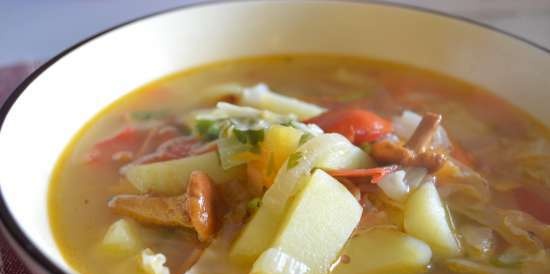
point(306, 165)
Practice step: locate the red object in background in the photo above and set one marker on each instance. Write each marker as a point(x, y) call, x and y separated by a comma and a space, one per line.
point(12, 76)
point(357, 125)
point(533, 203)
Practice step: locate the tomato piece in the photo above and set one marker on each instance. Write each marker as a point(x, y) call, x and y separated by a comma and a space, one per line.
point(128, 139)
point(175, 148)
point(533, 203)
point(357, 125)
point(132, 140)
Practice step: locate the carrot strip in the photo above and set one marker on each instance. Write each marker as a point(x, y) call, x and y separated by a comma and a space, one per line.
point(376, 173)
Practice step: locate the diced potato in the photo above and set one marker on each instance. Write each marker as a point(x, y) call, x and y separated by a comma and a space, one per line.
point(315, 228)
point(261, 97)
point(170, 177)
point(348, 157)
point(256, 236)
point(121, 238)
point(261, 229)
point(326, 151)
point(383, 250)
point(279, 142)
point(426, 218)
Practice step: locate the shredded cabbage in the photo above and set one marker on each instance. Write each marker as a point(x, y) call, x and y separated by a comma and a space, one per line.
point(240, 129)
point(478, 240)
point(261, 97)
point(416, 176)
point(394, 185)
point(467, 185)
point(405, 125)
point(153, 263)
point(516, 227)
point(229, 150)
point(229, 117)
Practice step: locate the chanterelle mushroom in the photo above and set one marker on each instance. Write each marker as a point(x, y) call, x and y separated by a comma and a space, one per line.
point(194, 209)
point(414, 152)
point(424, 132)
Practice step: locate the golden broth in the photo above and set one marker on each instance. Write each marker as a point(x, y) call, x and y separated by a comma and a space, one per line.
point(474, 118)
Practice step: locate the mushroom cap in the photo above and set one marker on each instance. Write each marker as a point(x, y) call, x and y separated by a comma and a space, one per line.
point(200, 204)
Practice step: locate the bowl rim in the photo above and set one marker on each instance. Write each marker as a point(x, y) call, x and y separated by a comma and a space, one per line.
point(14, 231)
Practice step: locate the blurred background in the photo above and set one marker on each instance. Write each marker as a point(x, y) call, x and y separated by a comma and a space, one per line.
point(38, 29)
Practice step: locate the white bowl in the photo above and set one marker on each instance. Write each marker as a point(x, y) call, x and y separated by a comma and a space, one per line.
point(52, 104)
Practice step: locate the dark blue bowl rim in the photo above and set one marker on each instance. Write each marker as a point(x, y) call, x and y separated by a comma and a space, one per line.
point(6, 217)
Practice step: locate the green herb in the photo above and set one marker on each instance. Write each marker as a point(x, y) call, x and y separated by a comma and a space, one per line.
point(254, 204)
point(256, 136)
point(203, 126)
point(208, 129)
point(146, 115)
point(366, 147)
point(241, 135)
point(294, 159)
point(304, 138)
point(287, 123)
point(250, 136)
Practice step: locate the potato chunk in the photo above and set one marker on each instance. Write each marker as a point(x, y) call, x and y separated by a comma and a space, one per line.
point(170, 177)
point(383, 250)
point(426, 218)
point(278, 144)
point(315, 228)
point(121, 238)
point(331, 151)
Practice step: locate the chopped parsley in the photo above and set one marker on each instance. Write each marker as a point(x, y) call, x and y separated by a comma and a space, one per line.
point(294, 159)
point(250, 136)
point(208, 129)
point(304, 138)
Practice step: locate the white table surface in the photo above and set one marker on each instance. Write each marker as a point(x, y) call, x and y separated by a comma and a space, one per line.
point(38, 29)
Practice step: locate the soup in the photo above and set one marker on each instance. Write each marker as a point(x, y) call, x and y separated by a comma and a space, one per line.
point(305, 164)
